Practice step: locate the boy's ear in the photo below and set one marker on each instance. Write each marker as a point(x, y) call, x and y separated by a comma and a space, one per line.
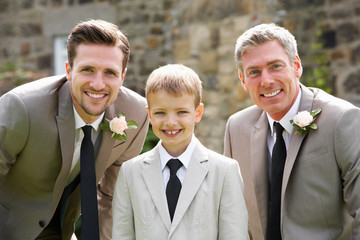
point(199, 112)
point(148, 110)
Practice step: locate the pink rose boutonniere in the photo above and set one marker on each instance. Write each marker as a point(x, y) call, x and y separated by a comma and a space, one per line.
point(118, 125)
point(305, 120)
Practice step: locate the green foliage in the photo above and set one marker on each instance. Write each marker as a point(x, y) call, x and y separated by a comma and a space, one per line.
point(318, 74)
point(150, 141)
point(13, 75)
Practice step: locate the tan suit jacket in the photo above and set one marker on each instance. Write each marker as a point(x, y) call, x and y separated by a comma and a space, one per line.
point(210, 205)
point(36, 149)
point(321, 183)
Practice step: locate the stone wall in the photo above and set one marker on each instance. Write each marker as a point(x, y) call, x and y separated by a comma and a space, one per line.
point(198, 33)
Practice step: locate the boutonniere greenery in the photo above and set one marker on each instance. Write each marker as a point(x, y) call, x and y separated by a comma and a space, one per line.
point(305, 120)
point(118, 125)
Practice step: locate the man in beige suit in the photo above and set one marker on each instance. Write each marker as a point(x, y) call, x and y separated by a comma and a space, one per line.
point(40, 134)
point(319, 190)
point(210, 204)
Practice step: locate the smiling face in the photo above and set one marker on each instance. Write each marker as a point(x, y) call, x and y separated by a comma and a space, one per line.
point(269, 77)
point(173, 119)
point(95, 79)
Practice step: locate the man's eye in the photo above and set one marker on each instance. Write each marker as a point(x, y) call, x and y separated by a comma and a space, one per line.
point(86, 70)
point(111, 73)
point(276, 66)
point(254, 72)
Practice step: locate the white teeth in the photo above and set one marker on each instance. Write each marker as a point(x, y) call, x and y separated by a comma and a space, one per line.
point(171, 132)
point(272, 94)
point(93, 95)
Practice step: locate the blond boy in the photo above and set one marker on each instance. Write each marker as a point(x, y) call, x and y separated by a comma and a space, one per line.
point(210, 204)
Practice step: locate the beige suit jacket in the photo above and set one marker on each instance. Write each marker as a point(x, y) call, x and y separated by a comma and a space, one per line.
point(36, 148)
point(321, 183)
point(210, 205)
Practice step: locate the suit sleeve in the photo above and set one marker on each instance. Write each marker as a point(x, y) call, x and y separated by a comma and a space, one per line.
point(107, 183)
point(347, 152)
point(227, 142)
point(123, 217)
point(233, 216)
point(14, 128)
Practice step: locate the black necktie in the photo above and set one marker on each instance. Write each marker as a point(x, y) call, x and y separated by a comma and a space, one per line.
point(174, 186)
point(277, 169)
point(89, 208)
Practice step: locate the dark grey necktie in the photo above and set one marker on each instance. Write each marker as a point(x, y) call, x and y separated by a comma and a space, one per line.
point(89, 207)
point(277, 168)
point(173, 187)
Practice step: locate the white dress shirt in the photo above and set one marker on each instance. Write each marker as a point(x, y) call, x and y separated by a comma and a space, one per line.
point(79, 135)
point(285, 123)
point(184, 159)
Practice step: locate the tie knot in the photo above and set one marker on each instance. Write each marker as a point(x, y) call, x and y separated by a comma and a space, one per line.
point(173, 164)
point(278, 129)
point(87, 131)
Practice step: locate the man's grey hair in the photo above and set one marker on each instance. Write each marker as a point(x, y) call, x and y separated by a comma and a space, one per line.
point(261, 34)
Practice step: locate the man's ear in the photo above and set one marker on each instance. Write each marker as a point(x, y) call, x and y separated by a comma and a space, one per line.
point(123, 74)
point(298, 67)
point(68, 70)
point(199, 112)
point(148, 110)
point(242, 79)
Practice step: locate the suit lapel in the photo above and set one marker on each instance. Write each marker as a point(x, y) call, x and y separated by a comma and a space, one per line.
point(106, 146)
point(306, 104)
point(66, 125)
point(195, 175)
point(258, 154)
point(154, 181)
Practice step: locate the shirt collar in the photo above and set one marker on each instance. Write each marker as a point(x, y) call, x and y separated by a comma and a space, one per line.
point(79, 123)
point(285, 121)
point(184, 157)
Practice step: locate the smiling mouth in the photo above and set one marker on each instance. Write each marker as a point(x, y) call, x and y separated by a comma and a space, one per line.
point(172, 132)
point(272, 94)
point(95, 95)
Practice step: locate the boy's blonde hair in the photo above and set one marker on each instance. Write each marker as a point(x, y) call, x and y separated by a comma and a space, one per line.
point(175, 79)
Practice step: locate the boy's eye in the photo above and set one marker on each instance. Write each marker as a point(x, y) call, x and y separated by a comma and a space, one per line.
point(182, 112)
point(159, 113)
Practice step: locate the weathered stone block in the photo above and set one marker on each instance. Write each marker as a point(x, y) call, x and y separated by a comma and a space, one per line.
point(347, 32)
point(352, 83)
point(208, 61)
point(355, 56)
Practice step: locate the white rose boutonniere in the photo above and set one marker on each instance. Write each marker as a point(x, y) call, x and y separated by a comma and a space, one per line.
point(305, 120)
point(118, 125)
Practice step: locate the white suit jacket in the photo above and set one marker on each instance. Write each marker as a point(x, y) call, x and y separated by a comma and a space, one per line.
point(210, 205)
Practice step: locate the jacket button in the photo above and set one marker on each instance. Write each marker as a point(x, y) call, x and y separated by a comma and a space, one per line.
point(42, 223)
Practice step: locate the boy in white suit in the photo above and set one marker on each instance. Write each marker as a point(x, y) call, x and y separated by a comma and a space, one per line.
point(210, 204)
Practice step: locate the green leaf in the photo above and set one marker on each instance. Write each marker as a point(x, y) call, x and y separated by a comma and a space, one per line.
point(315, 112)
point(119, 137)
point(131, 124)
point(104, 127)
point(313, 126)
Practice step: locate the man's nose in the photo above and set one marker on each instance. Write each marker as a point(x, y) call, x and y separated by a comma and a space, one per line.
point(266, 78)
point(98, 81)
